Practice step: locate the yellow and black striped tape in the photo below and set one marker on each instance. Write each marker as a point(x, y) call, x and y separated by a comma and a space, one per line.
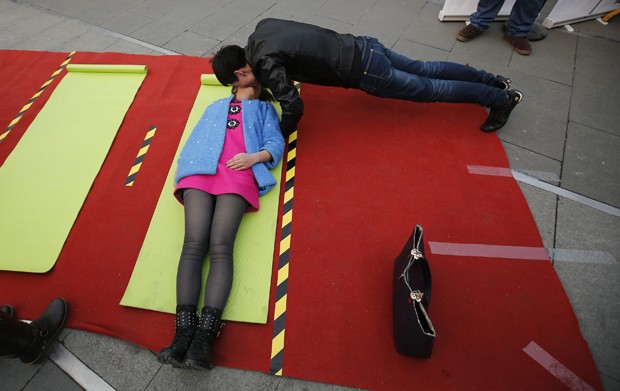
point(279, 316)
point(35, 96)
point(140, 158)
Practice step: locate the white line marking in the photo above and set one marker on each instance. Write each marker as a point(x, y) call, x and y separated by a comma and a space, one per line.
point(75, 368)
point(559, 371)
point(566, 193)
point(530, 180)
point(489, 251)
point(582, 256)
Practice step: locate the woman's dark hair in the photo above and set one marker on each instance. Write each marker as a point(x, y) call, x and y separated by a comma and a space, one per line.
point(226, 61)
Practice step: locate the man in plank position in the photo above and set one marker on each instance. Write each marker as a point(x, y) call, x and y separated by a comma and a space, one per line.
point(280, 51)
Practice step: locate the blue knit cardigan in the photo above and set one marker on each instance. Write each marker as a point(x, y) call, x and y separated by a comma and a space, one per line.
point(261, 131)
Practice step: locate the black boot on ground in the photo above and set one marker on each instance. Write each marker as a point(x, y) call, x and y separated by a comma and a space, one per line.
point(46, 328)
point(31, 341)
point(200, 353)
point(184, 330)
point(499, 116)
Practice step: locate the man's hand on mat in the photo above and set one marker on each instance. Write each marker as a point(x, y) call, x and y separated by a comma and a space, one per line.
point(242, 161)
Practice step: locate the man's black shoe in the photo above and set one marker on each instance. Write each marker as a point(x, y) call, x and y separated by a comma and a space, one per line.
point(9, 310)
point(499, 116)
point(501, 82)
point(46, 329)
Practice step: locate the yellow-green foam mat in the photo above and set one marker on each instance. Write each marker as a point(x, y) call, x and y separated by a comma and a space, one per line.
point(45, 180)
point(153, 281)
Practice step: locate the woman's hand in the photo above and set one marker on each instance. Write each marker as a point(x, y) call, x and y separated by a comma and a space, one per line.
point(242, 161)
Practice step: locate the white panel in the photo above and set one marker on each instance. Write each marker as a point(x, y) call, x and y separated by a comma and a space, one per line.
point(461, 9)
point(571, 11)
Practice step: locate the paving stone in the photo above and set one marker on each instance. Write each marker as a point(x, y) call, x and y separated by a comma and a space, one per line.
point(592, 288)
point(115, 361)
point(543, 207)
point(386, 20)
point(597, 76)
point(592, 164)
point(31, 22)
point(553, 58)
point(417, 51)
point(533, 164)
point(154, 9)
point(127, 23)
point(342, 11)
point(428, 30)
point(91, 41)
point(55, 37)
point(597, 29)
point(15, 375)
point(160, 31)
point(61, 7)
point(218, 26)
point(539, 122)
point(486, 51)
point(192, 44)
point(169, 378)
point(123, 46)
point(52, 378)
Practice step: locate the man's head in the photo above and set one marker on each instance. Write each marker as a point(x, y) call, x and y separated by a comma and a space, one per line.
point(231, 67)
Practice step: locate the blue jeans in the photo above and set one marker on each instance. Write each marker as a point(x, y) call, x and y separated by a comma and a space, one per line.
point(521, 18)
point(387, 74)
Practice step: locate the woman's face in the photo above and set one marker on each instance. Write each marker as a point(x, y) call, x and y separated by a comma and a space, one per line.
point(245, 77)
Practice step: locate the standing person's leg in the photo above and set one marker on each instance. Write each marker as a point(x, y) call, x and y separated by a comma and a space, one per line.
point(520, 22)
point(486, 12)
point(199, 207)
point(522, 17)
point(229, 210)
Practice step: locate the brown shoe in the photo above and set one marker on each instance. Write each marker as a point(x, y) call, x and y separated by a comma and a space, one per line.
point(468, 33)
point(520, 45)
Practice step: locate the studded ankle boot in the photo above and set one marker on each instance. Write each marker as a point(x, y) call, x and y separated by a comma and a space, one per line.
point(184, 330)
point(200, 354)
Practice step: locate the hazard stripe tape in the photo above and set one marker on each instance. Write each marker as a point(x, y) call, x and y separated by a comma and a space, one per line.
point(279, 316)
point(556, 368)
point(131, 177)
point(35, 96)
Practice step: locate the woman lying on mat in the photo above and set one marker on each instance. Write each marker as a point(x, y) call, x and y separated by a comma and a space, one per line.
point(222, 170)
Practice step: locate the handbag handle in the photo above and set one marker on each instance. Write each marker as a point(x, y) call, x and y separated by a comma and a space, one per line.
point(417, 255)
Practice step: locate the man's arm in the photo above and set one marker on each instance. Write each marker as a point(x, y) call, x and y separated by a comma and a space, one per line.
point(273, 75)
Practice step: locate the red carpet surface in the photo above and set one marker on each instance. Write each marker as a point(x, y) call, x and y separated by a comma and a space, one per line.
point(367, 170)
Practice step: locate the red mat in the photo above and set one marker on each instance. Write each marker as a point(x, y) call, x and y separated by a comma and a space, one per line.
point(367, 171)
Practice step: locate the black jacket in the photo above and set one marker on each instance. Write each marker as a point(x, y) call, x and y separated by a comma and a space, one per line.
point(280, 51)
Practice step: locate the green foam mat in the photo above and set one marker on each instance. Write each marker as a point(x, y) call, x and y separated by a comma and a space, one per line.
point(47, 177)
point(153, 282)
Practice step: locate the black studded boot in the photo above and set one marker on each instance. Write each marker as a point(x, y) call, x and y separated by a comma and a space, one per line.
point(184, 330)
point(200, 353)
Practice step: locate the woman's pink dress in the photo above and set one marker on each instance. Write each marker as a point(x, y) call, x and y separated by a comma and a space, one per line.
point(226, 180)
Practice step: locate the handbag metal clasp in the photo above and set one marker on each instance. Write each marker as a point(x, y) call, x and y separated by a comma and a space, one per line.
point(416, 254)
point(416, 295)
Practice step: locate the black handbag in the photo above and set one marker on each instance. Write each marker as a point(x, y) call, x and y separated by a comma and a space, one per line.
point(414, 333)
